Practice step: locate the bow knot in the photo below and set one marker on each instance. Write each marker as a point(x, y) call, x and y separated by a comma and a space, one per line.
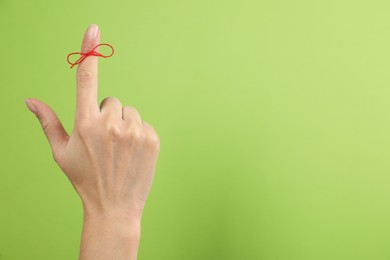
point(89, 53)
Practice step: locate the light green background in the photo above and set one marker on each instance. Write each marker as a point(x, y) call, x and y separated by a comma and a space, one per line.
point(274, 120)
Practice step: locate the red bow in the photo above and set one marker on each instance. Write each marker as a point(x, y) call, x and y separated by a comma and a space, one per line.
point(91, 52)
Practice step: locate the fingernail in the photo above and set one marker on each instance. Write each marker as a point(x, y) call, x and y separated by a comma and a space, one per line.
point(30, 105)
point(93, 30)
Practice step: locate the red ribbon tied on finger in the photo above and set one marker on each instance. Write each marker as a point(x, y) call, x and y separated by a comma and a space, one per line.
point(92, 52)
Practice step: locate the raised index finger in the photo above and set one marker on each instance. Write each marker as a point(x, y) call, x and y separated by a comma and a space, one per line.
point(87, 75)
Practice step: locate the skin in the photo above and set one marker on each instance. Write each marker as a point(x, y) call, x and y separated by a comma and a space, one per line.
point(109, 158)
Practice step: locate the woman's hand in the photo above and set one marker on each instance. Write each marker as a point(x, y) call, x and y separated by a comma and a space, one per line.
point(110, 157)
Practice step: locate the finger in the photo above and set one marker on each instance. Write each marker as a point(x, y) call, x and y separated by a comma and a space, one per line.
point(87, 75)
point(51, 125)
point(149, 127)
point(131, 115)
point(111, 107)
point(154, 137)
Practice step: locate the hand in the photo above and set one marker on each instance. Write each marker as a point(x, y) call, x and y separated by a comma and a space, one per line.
point(110, 157)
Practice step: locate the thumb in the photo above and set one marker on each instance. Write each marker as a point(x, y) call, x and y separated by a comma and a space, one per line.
point(51, 125)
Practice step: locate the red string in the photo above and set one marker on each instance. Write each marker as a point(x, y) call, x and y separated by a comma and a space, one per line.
point(90, 53)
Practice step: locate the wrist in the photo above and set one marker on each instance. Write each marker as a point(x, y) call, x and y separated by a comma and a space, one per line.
point(112, 217)
point(127, 225)
point(129, 214)
point(109, 234)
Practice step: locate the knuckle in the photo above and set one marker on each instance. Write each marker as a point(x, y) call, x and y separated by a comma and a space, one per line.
point(149, 127)
point(83, 76)
point(132, 109)
point(153, 141)
point(48, 123)
point(113, 131)
point(45, 125)
point(108, 100)
point(132, 112)
point(135, 135)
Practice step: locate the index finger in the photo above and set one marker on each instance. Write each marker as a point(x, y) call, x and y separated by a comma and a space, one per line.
point(87, 75)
